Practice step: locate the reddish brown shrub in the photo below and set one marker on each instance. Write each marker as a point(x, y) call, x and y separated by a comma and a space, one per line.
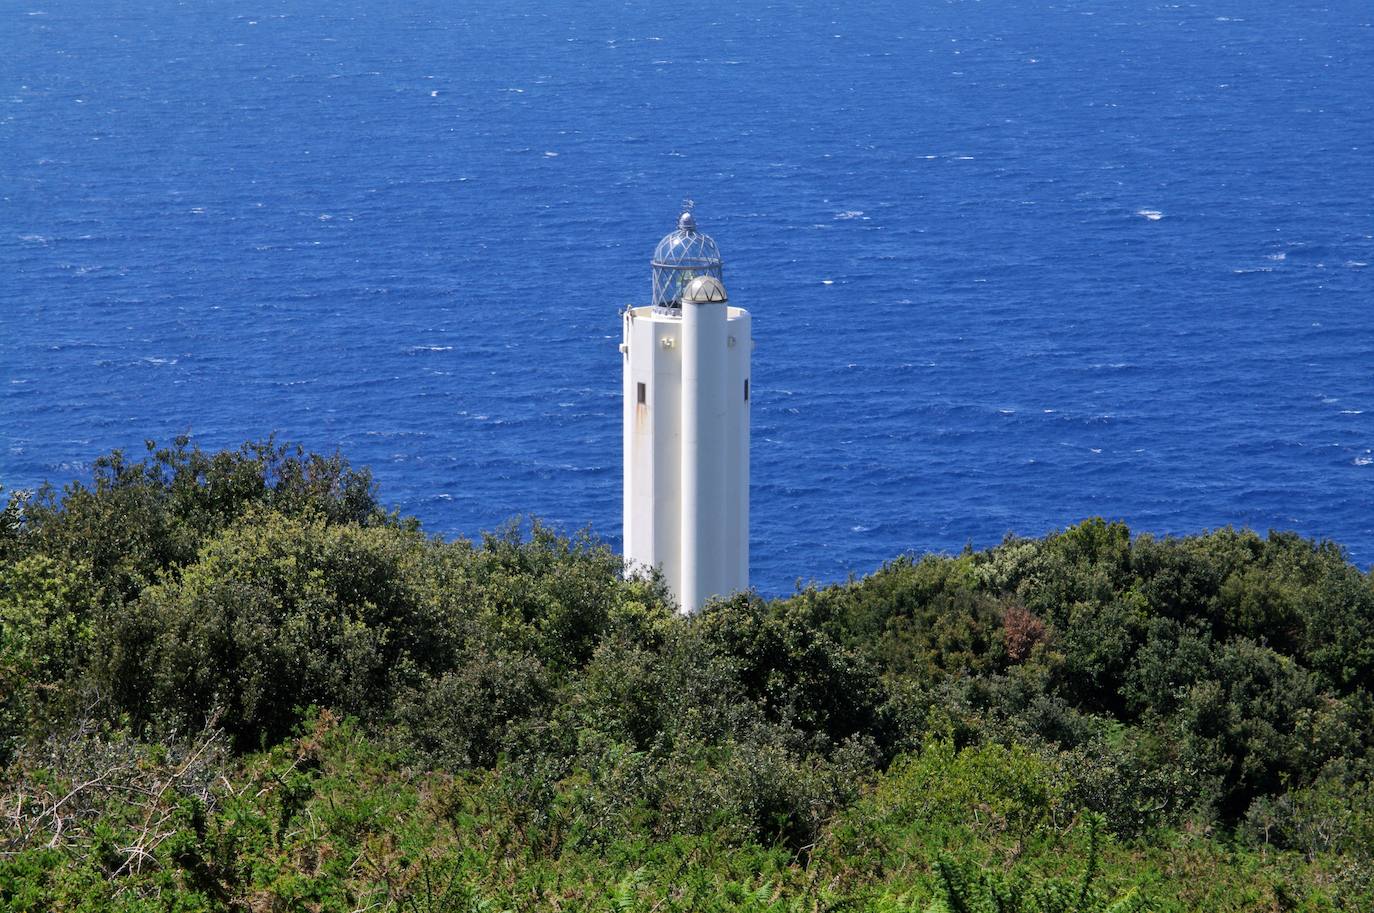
point(1021, 631)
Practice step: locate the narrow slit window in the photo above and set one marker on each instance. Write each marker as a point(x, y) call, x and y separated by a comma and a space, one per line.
point(746, 389)
point(644, 392)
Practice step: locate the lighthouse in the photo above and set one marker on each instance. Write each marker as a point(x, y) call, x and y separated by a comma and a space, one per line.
point(686, 424)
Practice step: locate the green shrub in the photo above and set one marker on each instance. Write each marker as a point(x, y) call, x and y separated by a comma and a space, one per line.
point(279, 612)
point(44, 641)
point(531, 728)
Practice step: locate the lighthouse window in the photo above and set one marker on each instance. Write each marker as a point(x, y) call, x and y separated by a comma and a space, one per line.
point(644, 393)
point(746, 389)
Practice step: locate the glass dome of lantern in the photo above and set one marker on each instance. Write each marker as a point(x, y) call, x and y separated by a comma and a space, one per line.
point(680, 257)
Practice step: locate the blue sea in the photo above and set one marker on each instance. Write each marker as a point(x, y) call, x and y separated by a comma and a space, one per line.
point(1010, 264)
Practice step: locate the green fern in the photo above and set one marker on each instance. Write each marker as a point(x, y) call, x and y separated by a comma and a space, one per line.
point(1085, 888)
point(625, 897)
point(1132, 902)
point(965, 889)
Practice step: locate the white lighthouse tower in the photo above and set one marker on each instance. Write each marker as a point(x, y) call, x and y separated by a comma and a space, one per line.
point(686, 424)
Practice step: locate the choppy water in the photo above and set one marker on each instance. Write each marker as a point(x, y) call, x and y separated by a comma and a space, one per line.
point(1010, 264)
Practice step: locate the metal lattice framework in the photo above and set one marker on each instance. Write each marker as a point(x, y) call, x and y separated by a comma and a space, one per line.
point(680, 257)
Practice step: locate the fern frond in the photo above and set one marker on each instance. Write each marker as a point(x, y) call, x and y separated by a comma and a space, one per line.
point(1132, 902)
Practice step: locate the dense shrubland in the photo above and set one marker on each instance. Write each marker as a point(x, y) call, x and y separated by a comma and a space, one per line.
point(235, 681)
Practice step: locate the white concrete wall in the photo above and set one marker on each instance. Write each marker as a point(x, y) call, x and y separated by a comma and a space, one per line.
point(738, 356)
point(665, 402)
point(704, 440)
point(656, 479)
point(651, 515)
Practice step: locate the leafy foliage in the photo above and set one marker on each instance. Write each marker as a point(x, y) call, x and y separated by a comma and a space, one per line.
point(234, 681)
point(963, 889)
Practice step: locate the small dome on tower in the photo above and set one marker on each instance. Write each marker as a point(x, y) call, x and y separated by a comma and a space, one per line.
point(680, 257)
point(703, 290)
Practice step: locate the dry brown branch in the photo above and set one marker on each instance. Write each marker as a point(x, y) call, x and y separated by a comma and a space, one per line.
point(56, 793)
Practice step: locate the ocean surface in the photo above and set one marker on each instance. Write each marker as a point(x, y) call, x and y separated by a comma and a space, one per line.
point(1011, 265)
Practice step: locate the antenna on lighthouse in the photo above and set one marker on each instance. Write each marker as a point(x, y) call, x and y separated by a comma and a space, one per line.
point(686, 423)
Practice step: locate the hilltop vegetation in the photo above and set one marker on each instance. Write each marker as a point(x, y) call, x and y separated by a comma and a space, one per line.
point(234, 681)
